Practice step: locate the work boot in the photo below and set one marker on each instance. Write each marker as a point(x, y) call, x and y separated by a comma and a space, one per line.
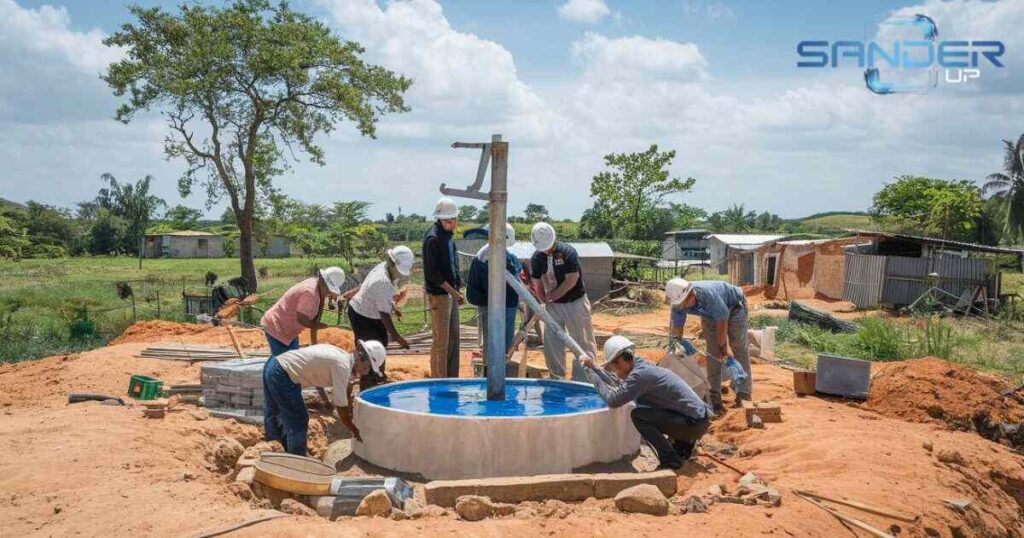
point(739, 399)
point(684, 449)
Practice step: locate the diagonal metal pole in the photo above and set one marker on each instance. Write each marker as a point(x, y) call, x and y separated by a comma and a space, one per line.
point(549, 322)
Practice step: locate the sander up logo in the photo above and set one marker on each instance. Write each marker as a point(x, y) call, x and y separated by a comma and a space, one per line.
point(914, 63)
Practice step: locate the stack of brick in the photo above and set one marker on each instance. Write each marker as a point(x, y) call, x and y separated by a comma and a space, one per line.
point(234, 389)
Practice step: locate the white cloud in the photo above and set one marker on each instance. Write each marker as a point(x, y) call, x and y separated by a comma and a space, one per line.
point(821, 143)
point(584, 11)
point(710, 10)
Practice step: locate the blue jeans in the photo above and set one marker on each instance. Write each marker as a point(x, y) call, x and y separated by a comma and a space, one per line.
point(277, 347)
point(510, 327)
point(285, 417)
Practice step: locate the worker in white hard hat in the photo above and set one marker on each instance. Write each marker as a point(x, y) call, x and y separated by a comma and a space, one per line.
point(300, 308)
point(285, 417)
point(476, 290)
point(442, 284)
point(557, 280)
point(665, 404)
point(722, 308)
point(373, 305)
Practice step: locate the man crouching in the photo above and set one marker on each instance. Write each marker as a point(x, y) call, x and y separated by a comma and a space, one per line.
point(666, 405)
point(285, 417)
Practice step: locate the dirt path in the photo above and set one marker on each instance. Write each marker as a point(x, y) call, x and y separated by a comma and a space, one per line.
point(91, 470)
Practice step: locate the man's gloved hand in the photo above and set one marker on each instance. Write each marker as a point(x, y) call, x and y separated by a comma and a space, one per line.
point(688, 347)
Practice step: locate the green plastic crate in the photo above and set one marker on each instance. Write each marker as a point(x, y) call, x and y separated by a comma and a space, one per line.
point(142, 387)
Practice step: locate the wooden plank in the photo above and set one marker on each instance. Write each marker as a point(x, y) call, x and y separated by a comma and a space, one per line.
point(880, 511)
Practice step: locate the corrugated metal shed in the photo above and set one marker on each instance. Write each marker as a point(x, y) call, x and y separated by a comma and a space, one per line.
point(945, 243)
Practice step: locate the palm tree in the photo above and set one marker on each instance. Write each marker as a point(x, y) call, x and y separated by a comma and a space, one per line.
point(737, 220)
point(131, 202)
point(1008, 185)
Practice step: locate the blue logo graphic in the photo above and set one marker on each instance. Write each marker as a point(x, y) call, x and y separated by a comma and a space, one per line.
point(912, 65)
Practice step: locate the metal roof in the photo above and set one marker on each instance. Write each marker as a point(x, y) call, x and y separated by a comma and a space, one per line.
point(524, 249)
point(688, 231)
point(737, 240)
point(937, 241)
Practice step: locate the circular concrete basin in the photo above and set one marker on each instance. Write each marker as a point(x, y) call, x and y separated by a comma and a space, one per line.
point(447, 429)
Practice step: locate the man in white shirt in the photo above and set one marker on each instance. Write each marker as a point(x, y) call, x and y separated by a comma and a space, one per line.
point(373, 304)
point(285, 417)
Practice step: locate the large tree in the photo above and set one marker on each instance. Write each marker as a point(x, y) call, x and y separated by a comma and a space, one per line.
point(131, 202)
point(536, 213)
point(932, 206)
point(632, 190)
point(1008, 185)
point(241, 86)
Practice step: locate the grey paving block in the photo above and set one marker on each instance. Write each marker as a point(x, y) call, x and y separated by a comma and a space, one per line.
point(842, 376)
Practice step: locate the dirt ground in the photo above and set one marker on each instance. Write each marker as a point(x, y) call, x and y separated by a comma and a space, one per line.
point(90, 469)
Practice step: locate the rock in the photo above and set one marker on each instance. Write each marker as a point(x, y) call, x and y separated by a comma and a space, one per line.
point(950, 456)
point(242, 491)
point(295, 508)
point(263, 504)
point(199, 414)
point(693, 505)
point(504, 509)
point(398, 515)
point(111, 401)
point(246, 476)
point(377, 503)
point(474, 507)
point(337, 452)
point(431, 510)
point(774, 497)
point(253, 451)
point(274, 495)
point(642, 499)
point(717, 489)
point(189, 476)
point(225, 452)
point(927, 445)
point(751, 479)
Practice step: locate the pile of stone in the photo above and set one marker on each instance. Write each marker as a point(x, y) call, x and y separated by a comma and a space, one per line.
point(234, 389)
point(752, 491)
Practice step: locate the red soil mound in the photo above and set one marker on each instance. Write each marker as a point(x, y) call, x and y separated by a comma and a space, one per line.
point(931, 390)
point(190, 333)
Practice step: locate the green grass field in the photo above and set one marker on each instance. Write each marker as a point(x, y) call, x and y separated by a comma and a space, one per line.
point(39, 299)
point(839, 221)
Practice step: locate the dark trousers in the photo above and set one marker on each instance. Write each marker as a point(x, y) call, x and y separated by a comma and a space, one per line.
point(654, 424)
point(364, 328)
point(285, 417)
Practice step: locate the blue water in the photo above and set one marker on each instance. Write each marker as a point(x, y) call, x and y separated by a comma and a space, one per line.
point(468, 397)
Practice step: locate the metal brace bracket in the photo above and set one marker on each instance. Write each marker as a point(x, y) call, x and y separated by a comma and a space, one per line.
point(472, 191)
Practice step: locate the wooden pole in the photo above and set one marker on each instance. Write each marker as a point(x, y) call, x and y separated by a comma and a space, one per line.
point(847, 519)
point(861, 506)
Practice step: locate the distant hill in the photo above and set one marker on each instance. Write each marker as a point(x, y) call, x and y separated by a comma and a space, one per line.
point(4, 203)
point(837, 220)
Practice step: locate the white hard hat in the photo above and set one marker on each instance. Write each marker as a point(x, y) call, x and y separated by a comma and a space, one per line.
point(403, 258)
point(375, 353)
point(677, 290)
point(334, 277)
point(510, 233)
point(542, 236)
point(614, 346)
point(445, 209)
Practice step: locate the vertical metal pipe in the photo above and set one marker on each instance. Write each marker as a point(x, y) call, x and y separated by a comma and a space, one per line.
point(498, 199)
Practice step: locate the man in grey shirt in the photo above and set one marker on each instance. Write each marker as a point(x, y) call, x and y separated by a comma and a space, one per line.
point(666, 405)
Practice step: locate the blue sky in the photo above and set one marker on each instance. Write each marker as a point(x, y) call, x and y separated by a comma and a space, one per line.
point(715, 80)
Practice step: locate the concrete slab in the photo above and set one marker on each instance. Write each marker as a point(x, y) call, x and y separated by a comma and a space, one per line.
point(842, 376)
point(513, 489)
point(610, 484)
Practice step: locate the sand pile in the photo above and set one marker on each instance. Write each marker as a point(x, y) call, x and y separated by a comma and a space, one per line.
point(158, 331)
point(934, 390)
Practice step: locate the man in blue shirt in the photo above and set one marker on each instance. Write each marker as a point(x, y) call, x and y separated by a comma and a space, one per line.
point(476, 291)
point(665, 404)
point(722, 308)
